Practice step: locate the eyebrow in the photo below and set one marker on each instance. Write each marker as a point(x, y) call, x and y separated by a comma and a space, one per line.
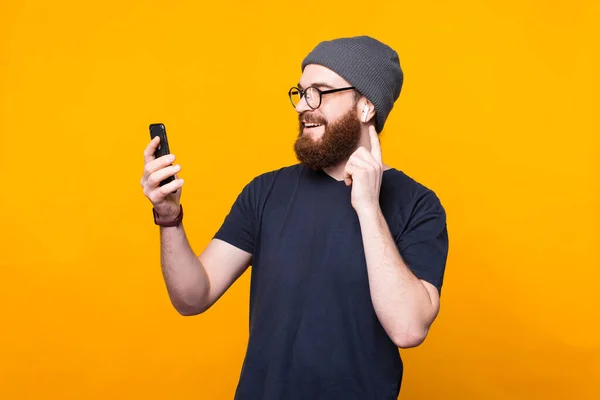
point(318, 84)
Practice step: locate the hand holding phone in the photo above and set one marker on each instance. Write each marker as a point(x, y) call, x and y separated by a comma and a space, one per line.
point(160, 182)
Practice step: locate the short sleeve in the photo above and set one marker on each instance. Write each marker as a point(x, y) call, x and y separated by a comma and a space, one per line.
point(239, 226)
point(424, 243)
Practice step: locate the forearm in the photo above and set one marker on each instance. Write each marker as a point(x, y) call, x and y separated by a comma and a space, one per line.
point(400, 299)
point(187, 283)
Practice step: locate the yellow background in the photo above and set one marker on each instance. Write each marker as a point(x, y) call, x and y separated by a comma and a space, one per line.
point(498, 115)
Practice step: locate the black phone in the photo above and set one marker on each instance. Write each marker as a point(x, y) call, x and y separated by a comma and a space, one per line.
point(163, 147)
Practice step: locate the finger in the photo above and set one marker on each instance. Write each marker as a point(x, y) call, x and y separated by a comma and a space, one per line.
point(158, 176)
point(150, 149)
point(157, 195)
point(348, 171)
point(375, 145)
point(365, 155)
point(170, 187)
point(361, 163)
point(163, 161)
point(159, 163)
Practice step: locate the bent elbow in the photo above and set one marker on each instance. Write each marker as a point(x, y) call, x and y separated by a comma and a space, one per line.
point(409, 340)
point(189, 310)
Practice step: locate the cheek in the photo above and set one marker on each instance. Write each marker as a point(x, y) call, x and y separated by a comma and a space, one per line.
point(328, 114)
point(332, 112)
point(322, 116)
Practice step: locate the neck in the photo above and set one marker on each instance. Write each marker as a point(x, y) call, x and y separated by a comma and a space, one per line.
point(337, 171)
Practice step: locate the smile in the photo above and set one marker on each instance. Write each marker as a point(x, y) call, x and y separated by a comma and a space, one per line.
point(310, 125)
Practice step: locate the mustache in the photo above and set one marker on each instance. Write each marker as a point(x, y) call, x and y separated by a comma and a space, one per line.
point(311, 118)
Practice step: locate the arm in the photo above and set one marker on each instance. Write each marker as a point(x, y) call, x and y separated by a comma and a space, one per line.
point(405, 305)
point(196, 283)
point(193, 283)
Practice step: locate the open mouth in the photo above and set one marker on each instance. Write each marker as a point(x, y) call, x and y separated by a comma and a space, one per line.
point(311, 125)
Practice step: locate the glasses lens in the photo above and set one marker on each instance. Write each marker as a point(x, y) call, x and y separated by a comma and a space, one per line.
point(313, 97)
point(294, 96)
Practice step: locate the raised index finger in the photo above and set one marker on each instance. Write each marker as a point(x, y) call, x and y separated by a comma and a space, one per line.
point(375, 146)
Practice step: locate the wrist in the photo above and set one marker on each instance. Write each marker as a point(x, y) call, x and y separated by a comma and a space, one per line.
point(161, 221)
point(368, 212)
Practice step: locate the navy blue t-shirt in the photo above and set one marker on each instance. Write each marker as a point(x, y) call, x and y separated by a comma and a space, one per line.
point(314, 333)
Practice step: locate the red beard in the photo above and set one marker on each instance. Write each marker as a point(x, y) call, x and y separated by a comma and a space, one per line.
point(337, 143)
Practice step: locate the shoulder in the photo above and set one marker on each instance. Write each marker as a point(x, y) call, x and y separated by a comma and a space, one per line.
point(286, 171)
point(399, 183)
point(269, 177)
point(261, 185)
point(406, 192)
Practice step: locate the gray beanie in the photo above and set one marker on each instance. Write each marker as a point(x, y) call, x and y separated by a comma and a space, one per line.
point(369, 65)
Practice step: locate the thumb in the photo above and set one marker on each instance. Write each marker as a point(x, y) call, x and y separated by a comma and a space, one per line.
point(348, 175)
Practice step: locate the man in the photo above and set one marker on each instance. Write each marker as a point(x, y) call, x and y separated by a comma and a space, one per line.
point(347, 253)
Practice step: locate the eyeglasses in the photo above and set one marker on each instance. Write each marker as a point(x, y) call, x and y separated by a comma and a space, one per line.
point(313, 95)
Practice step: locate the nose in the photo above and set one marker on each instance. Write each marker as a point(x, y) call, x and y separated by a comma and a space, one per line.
point(302, 105)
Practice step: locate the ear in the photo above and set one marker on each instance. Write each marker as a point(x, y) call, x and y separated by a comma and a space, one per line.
point(366, 110)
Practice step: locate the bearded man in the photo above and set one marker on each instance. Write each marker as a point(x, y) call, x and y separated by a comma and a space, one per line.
point(348, 253)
